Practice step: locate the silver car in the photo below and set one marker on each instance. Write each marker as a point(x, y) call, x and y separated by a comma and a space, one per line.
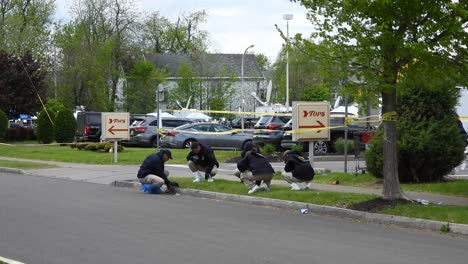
point(214, 135)
point(143, 133)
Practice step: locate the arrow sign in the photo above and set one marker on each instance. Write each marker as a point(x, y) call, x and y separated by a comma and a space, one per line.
point(112, 129)
point(320, 125)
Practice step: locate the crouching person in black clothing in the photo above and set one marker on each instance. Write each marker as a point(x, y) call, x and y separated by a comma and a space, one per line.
point(297, 170)
point(201, 159)
point(152, 171)
point(255, 167)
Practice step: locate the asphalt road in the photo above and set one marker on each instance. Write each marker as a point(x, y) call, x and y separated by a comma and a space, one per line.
point(48, 221)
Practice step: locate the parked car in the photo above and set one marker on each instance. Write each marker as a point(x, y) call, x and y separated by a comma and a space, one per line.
point(88, 126)
point(214, 135)
point(269, 130)
point(325, 147)
point(249, 122)
point(144, 133)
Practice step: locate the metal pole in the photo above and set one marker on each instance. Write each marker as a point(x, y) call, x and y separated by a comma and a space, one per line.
point(116, 148)
point(159, 117)
point(242, 89)
point(242, 86)
point(287, 66)
point(346, 135)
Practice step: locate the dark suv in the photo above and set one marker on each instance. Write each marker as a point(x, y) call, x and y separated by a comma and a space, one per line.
point(269, 130)
point(144, 133)
point(88, 126)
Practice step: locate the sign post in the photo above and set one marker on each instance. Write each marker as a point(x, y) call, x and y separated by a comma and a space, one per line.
point(115, 127)
point(311, 121)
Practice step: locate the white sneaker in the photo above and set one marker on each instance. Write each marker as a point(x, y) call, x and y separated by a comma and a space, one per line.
point(254, 189)
point(264, 186)
point(210, 179)
point(198, 177)
point(307, 186)
point(295, 187)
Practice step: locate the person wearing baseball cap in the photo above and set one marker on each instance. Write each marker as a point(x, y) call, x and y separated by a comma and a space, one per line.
point(152, 171)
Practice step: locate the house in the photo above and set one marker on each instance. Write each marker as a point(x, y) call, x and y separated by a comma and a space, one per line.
point(209, 68)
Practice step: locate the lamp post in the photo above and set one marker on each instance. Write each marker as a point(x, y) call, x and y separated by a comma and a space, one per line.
point(287, 17)
point(242, 85)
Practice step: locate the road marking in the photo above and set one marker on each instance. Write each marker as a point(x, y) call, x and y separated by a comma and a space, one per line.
point(10, 261)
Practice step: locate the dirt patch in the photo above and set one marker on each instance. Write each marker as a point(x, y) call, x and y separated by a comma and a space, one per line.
point(376, 205)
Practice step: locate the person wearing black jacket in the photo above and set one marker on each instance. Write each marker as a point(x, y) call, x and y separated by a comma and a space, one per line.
point(297, 170)
point(255, 167)
point(152, 170)
point(201, 159)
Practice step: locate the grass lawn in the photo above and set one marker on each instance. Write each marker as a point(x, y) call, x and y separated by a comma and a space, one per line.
point(453, 187)
point(452, 214)
point(130, 156)
point(24, 165)
point(279, 192)
point(448, 213)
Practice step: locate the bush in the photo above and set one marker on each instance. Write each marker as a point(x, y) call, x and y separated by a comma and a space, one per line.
point(340, 145)
point(3, 124)
point(45, 128)
point(65, 126)
point(92, 146)
point(267, 149)
point(299, 148)
point(429, 142)
point(19, 134)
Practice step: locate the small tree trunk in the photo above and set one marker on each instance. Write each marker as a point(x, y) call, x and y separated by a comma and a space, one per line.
point(391, 187)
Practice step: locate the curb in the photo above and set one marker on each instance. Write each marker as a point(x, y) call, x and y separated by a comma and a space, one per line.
point(400, 221)
point(11, 170)
point(10, 261)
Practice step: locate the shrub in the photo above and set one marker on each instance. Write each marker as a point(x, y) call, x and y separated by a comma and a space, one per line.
point(340, 145)
point(267, 149)
point(3, 124)
point(299, 148)
point(45, 128)
point(65, 126)
point(92, 146)
point(429, 142)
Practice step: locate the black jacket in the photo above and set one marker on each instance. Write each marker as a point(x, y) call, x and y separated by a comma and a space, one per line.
point(256, 163)
point(299, 167)
point(205, 158)
point(153, 164)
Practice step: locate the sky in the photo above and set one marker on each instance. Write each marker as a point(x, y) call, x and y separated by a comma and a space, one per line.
point(233, 25)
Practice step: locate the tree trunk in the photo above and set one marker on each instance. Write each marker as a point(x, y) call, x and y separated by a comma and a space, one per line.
point(391, 187)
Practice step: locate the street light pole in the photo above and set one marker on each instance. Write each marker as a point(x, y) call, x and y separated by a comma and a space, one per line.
point(242, 85)
point(287, 17)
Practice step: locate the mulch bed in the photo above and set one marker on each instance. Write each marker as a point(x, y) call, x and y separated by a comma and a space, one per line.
point(376, 205)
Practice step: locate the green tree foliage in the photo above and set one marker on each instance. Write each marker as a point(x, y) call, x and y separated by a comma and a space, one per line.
point(382, 40)
point(187, 87)
point(220, 92)
point(140, 92)
point(65, 126)
point(263, 62)
point(160, 35)
point(430, 144)
point(3, 124)
point(22, 83)
point(45, 128)
point(25, 27)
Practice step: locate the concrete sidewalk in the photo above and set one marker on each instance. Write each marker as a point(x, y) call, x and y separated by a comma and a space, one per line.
point(107, 174)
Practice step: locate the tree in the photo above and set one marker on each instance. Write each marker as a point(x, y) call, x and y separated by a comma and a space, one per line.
point(25, 27)
point(140, 92)
point(65, 126)
point(22, 84)
point(263, 62)
point(382, 41)
point(45, 127)
point(3, 124)
point(183, 36)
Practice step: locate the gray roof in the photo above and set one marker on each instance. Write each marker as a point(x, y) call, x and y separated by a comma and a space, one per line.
point(208, 65)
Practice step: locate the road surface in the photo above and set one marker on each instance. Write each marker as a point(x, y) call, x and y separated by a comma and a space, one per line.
point(57, 221)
